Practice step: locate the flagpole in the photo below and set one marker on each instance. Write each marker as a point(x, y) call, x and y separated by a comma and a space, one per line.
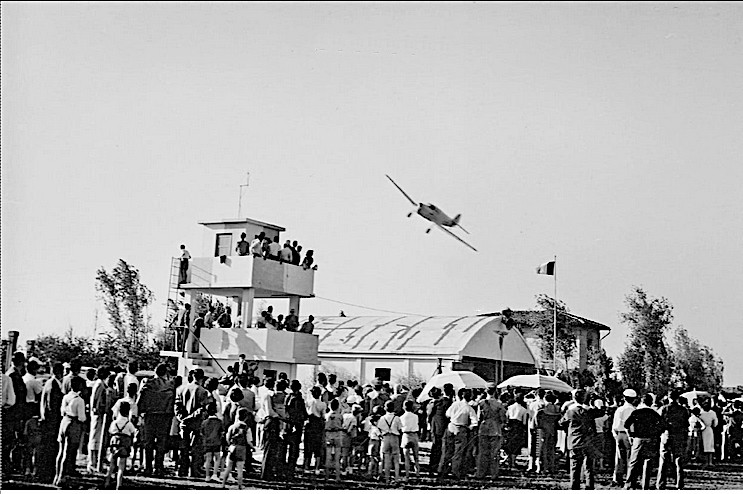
point(554, 322)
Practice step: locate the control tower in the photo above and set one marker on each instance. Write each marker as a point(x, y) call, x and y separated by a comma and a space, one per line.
point(237, 281)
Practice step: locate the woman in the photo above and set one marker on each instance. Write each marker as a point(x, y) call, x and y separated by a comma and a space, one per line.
point(710, 420)
point(518, 417)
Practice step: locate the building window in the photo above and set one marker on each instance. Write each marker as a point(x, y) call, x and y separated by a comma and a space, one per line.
point(383, 373)
point(224, 244)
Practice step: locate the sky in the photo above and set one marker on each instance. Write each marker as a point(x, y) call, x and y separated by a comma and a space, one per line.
point(606, 134)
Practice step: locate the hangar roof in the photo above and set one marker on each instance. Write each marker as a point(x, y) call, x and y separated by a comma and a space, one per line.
point(468, 336)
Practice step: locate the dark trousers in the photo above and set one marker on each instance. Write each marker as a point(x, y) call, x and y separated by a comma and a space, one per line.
point(672, 452)
point(579, 458)
point(643, 452)
point(271, 466)
point(183, 272)
point(47, 451)
point(292, 440)
point(156, 430)
point(460, 460)
point(192, 458)
point(437, 443)
point(447, 454)
point(488, 456)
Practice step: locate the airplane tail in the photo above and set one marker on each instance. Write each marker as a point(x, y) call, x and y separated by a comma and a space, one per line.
point(456, 223)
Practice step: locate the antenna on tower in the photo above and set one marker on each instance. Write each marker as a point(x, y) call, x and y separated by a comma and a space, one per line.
point(240, 200)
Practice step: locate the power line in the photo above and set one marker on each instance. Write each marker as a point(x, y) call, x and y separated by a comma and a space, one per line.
point(371, 308)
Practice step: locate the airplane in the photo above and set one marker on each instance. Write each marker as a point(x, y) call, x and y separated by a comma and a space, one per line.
point(435, 215)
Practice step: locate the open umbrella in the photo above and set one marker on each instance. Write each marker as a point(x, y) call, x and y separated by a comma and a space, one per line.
point(695, 395)
point(536, 381)
point(458, 379)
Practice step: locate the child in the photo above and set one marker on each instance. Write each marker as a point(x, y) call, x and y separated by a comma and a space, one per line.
point(410, 437)
point(211, 435)
point(333, 433)
point(122, 435)
point(375, 442)
point(696, 426)
point(349, 433)
point(131, 398)
point(239, 440)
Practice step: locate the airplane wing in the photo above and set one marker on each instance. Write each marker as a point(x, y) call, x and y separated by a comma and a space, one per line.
point(403, 192)
point(453, 235)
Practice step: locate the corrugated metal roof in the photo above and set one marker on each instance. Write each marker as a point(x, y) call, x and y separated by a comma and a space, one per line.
point(414, 335)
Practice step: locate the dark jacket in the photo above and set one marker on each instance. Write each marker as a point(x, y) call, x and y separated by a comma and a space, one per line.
point(644, 423)
point(438, 418)
point(675, 419)
point(156, 397)
point(581, 425)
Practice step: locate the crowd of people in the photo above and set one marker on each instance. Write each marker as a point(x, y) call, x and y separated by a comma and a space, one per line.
point(261, 246)
point(211, 428)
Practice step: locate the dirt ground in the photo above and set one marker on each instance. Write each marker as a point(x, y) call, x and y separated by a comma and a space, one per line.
point(720, 476)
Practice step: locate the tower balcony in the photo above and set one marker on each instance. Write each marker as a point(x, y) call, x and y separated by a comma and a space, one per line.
point(269, 278)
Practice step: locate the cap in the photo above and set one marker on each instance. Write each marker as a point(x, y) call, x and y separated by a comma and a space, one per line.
point(598, 404)
point(630, 393)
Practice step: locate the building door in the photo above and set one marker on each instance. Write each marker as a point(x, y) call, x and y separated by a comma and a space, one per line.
point(224, 244)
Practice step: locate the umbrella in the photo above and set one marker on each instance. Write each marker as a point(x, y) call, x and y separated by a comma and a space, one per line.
point(459, 379)
point(536, 381)
point(695, 395)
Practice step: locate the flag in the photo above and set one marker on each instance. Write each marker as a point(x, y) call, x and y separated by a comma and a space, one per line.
point(547, 268)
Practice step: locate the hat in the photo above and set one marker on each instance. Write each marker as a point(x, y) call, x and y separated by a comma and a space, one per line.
point(630, 393)
point(598, 404)
point(356, 408)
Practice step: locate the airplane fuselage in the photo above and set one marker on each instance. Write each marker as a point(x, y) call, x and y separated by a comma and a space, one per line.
point(434, 214)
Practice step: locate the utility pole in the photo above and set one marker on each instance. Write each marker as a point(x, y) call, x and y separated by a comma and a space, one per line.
point(240, 199)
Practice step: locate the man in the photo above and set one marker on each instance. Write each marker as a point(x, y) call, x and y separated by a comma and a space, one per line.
point(14, 411)
point(391, 428)
point(491, 417)
point(732, 438)
point(308, 327)
point(209, 319)
point(75, 367)
point(673, 441)
point(580, 422)
point(70, 430)
point(296, 253)
point(98, 411)
point(643, 428)
point(285, 254)
point(190, 402)
point(296, 412)
point(33, 388)
point(274, 248)
point(183, 271)
point(225, 319)
point(462, 420)
point(243, 247)
point(547, 418)
point(620, 436)
point(533, 408)
point(439, 421)
point(242, 366)
point(292, 322)
point(268, 416)
point(49, 415)
point(256, 246)
point(125, 379)
point(184, 323)
point(155, 408)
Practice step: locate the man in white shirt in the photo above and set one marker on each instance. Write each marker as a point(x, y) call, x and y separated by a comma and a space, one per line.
point(391, 428)
point(462, 419)
point(70, 429)
point(98, 410)
point(285, 255)
point(33, 385)
point(183, 271)
point(256, 246)
point(623, 445)
point(410, 438)
point(274, 248)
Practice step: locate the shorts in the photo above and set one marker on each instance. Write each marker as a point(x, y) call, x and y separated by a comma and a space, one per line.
point(120, 452)
point(374, 448)
point(391, 445)
point(212, 448)
point(237, 453)
point(345, 441)
point(334, 439)
point(409, 440)
point(70, 429)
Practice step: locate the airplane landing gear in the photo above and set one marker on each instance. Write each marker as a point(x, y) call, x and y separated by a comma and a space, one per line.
point(428, 231)
point(410, 214)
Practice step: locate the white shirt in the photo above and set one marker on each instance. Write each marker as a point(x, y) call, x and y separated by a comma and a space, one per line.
point(133, 411)
point(185, 254)
point(274, 248)
point(517, 412)
point(349, 422)
point(390, 424)
point(122, 425)
point(316, 407)
point(256, 247)
point(409, 422)
point(286, 254)
point(8, 392)
point(130, 379)
point(73, 406)
point(620, 416)
point(266, 409)
point(33, 387)
point(461, 413)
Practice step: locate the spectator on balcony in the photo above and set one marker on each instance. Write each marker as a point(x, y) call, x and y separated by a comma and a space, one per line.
point(285, 254)
point(261, 321)
point(256, 246)
point(292, 322)
point(274, 248)
point(183, 273)
point(308, 259)
point(280, 322)
point(265, 250)
point(209, 319)
point(243, 247)
point(269, 317)
point(308, 327)
point(225, 320)
point(296, 254)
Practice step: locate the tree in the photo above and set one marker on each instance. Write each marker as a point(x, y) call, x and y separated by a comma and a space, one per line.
point(543, 324)
point(603, 379)
point(646, 362)
point(53, 348)
point(126, 299)
point(695, 365)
